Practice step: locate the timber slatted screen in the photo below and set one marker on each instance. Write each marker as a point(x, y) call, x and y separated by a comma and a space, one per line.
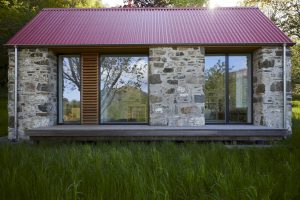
point(90, 88)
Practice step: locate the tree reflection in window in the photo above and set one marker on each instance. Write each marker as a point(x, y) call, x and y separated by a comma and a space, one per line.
point(71, 88)
point(124, 89)
point(215, 89)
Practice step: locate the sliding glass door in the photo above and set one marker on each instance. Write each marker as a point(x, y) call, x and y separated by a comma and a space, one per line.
point(124, 89)
point(239, 90)
point(215, 89)
point(228, 88)
point(69, 89)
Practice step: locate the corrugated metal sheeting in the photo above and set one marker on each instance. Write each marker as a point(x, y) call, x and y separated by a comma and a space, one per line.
point(151, 26)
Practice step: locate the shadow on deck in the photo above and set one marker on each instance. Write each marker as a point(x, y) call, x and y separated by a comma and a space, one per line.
point(222, 133)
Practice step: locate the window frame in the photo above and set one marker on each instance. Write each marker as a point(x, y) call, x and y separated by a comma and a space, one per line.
point(148, 87)
point(250, 89)
point(60, 106)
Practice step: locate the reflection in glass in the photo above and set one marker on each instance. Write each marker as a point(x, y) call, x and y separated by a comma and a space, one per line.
point(215, 89)
point(124, 89)
point(238, 89)
point(70, 89)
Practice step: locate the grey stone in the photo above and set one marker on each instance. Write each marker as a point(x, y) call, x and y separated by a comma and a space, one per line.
point(186, 110)
point(174, 58)
point(254, 79)
point(42, 62)
point(154, 79)
point(179, 53)
point(277, 86)
point(43, 114)
point(29, 87)
point(180, 76)
point(159, 65)
point(172, 82)
point(266, 63)
point(199, 98)
point(11, 121)
point(154, 59)
point(43, 107)
point(168, 70)
point(177, 106)
point(170, 91)
point(35, 88)
point(155, 99)
point(268, 70)
point(43, 87)
point(160, 52)
point(36, 55)
point(260, 88)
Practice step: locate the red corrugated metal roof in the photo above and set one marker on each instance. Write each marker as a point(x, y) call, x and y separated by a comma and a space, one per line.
point(146, 26)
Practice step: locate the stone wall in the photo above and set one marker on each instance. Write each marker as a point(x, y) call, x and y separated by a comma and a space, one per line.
point(176, 83)
point(268, 87)
point(37, 90)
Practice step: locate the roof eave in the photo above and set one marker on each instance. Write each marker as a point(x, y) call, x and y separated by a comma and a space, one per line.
point(156, 44)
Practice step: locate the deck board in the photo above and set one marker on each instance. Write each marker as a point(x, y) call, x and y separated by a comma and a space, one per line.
point(156, 133)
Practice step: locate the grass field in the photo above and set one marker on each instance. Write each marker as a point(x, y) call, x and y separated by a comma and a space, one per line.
point(151, 171)
point(3, 112)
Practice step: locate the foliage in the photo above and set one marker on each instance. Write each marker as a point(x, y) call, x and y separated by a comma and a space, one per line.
point(286, 15)
point(296, 109)
point(215, 89)
point(164, 3)
point(296, 71)
point(3, 113)
point(117, 72)
point(71, 73)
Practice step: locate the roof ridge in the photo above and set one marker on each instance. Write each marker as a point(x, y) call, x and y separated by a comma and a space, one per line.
point(152, 8)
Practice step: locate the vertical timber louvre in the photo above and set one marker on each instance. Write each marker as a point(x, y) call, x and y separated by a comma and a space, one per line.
point(90, 88)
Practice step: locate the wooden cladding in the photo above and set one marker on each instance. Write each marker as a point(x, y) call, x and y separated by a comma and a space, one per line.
point(90, 88)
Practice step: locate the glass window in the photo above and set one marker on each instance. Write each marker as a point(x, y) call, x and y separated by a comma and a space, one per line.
point(239, 84)
point(227, 88)
point(69, 89)
point(124, 89)
point(214, 89)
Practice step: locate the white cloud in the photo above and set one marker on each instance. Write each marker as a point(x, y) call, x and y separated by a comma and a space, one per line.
point(112, 3)
point(223, 3)
point(214, 3)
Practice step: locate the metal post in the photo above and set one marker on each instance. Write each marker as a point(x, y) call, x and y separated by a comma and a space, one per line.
point(16, 95)
point(284, 85)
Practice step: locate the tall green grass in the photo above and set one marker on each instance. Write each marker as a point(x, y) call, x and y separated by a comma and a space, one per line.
point(296, 109)
point(3, 112)
point(149, 171)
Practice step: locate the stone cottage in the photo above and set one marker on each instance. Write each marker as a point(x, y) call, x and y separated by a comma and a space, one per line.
point(155, 73)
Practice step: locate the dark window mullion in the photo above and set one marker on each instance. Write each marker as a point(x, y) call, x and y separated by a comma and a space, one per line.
point(226, 89)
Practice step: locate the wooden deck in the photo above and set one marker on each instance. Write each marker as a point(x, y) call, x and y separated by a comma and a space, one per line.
point(156, 133)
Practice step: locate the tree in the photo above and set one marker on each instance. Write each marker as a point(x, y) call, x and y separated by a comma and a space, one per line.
point(120, 72)
point(71, 72)
point(214, 89)
point(286, 15)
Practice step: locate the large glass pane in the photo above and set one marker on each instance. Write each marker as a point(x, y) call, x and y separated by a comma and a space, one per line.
point(215, 89)
point(69, 89)
point(239, 83)
point(124, 89)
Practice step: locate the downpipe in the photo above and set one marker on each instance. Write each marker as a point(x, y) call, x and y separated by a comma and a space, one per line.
point(16, 139)
point(284, 85)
